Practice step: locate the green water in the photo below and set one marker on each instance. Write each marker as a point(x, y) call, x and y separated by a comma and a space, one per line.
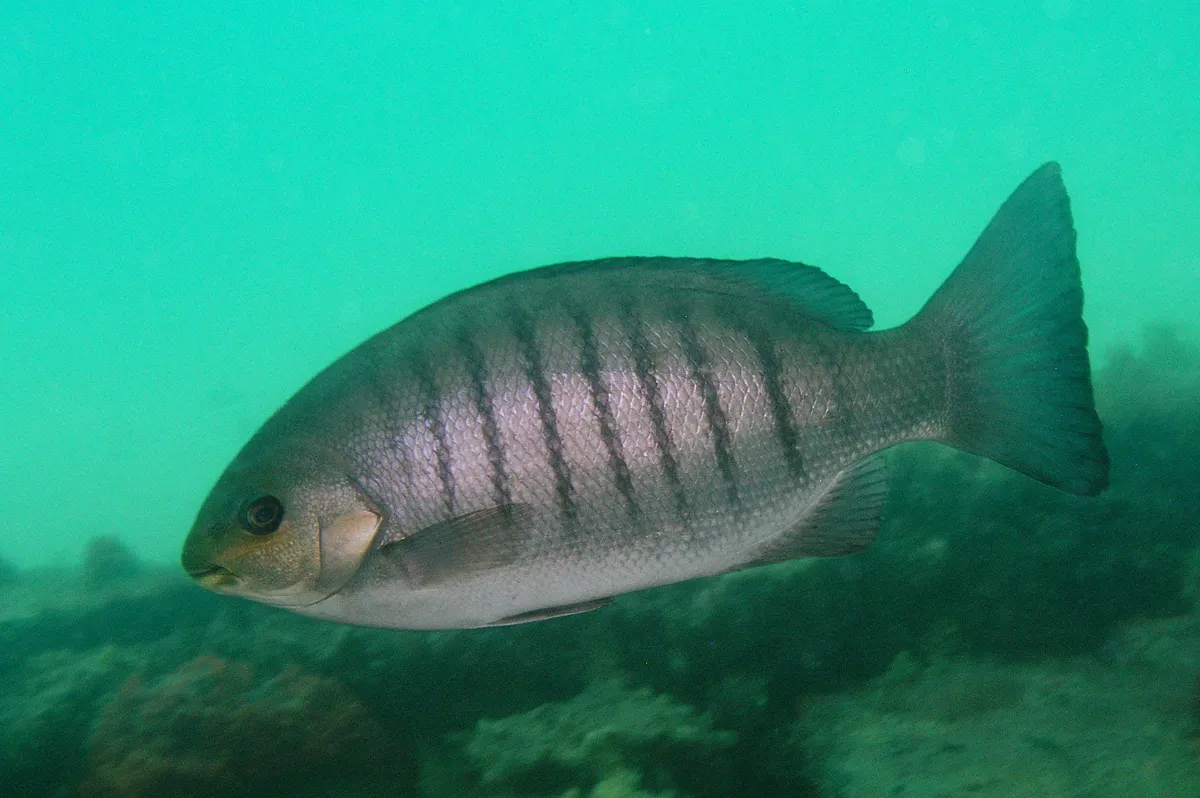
point(202, 204)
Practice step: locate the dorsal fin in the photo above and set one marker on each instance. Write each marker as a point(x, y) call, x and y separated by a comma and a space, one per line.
point(811, 288)
point(807, 287)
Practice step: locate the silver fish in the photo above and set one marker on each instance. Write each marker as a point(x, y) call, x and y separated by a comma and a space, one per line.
point(535, 445)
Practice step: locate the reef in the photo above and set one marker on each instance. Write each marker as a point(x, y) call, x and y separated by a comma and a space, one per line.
point(8, 572)
point(212, 726)
point(1066, 727)
point(108, 561)
point(999, 639)
point(607, 740)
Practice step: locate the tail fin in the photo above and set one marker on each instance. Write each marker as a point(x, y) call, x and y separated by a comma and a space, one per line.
point(1010, 315)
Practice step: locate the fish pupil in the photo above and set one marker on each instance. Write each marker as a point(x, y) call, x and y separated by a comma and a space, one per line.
point(262, 516)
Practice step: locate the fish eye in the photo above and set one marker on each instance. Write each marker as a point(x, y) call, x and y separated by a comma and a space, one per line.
point(262, 516)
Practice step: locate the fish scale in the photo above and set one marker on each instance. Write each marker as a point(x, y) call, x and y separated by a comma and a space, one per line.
point(535, 445)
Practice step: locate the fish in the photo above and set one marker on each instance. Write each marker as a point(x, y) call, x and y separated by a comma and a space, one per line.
point(533, 446)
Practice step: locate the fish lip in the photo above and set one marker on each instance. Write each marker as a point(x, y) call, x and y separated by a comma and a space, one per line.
point(216, 577)
point(212, 570)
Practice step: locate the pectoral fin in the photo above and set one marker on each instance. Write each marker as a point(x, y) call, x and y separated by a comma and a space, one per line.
point(465, 546)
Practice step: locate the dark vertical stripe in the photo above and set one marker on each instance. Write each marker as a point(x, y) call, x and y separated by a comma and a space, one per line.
point(643, 367)
point(434, 416)
point(784, 420)
point(589, 364)
point(522, 327)
point(714, 414)
point(839, 421)
point(477, 373)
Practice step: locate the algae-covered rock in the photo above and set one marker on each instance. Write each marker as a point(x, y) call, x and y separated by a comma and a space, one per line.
point(967, 727)
point(8, 572)
point(624, 784)
point(46, 711)
point(596, 743)
point(739, 702)
point(213, 727)
point(108, 561)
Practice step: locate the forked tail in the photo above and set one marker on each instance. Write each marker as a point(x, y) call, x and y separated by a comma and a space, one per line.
point(1010, 317)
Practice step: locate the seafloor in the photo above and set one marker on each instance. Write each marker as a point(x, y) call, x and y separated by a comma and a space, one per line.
point(999, 639)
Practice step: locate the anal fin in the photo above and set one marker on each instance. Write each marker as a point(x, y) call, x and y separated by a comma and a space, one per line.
point(844, 520)
point(552, 612)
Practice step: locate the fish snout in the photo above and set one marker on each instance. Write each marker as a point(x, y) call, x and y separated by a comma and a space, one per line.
point(201, 568)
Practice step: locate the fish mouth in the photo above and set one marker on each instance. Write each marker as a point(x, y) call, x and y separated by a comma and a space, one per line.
point(215, 576)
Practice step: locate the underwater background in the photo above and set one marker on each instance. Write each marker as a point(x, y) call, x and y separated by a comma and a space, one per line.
point(204, 204)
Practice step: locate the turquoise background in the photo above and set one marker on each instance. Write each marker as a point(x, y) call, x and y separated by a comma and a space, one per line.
point(202, 204)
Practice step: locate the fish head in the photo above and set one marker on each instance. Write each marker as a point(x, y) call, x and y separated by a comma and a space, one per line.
point(282, 528)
